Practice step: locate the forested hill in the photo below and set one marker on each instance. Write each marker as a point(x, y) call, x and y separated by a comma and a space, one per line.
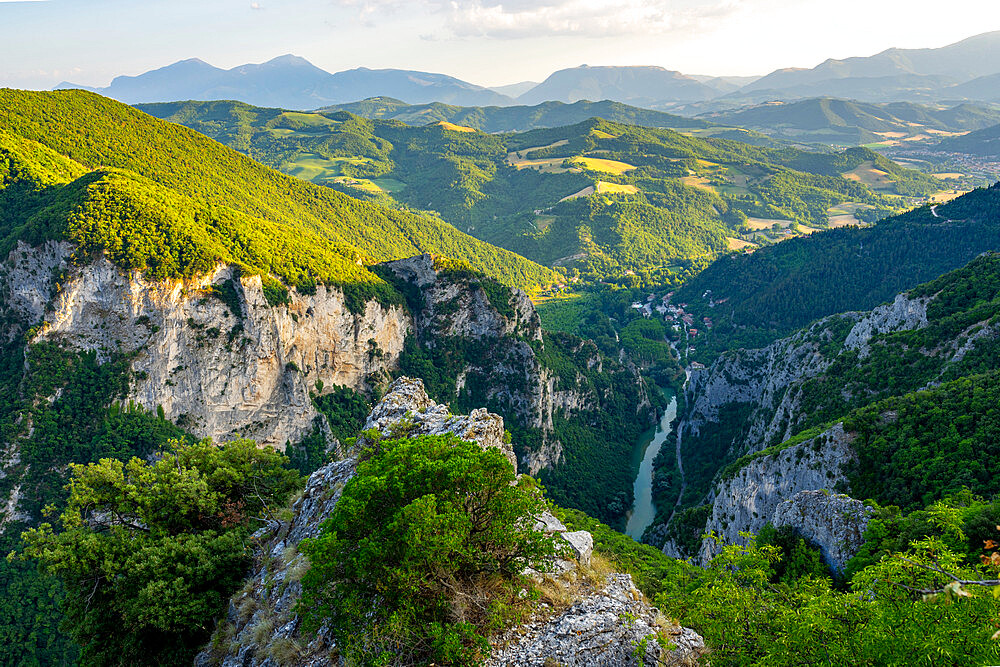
point(507, 119)
point(767, 294)
point(159, 197)
point(615, 201)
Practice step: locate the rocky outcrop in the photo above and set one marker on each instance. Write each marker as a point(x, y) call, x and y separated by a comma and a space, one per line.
point(748, 500)
point(834, 522)
point(408, 410)
point(902, 314)
point(609, 626)
point(262, 629)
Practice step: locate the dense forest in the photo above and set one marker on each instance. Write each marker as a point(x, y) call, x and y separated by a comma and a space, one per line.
point(160, 198)
point(776, 290)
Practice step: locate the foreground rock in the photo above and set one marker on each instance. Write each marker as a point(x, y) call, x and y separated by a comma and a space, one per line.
point(611, 625)
point(262, 629)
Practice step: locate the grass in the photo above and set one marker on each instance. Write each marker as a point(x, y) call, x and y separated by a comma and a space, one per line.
point(616, 188)
point(739, 244)
point(600, 164)
point(456, 128)
point(867, 174)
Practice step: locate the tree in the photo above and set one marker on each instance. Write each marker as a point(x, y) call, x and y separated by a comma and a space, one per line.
point(150, 552)
point(423, 556)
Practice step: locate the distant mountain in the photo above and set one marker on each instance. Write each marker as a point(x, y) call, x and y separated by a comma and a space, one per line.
point(641, 86)
point(837, 121)
point(961, 61)
point(724, 84)
point(514, 89)
point(985, 142)
point(893, 74)
point(291, 82)
point(516, 118)
point(986, 88)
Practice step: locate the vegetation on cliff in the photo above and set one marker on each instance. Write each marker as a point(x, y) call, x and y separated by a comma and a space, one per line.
point(424, 556)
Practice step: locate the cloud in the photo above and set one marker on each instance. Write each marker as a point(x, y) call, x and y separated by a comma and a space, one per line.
point(512, 19)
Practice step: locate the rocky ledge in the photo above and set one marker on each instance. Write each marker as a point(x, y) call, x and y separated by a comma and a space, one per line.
point(605, 625)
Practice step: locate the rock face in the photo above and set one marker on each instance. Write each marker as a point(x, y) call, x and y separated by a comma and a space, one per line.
point(262, 630)
point(608, 627)
point(764, 387)
point(834, 522)
point(748, 500)
point(215, 371)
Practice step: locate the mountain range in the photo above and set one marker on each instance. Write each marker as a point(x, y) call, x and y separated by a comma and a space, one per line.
point(966, 70)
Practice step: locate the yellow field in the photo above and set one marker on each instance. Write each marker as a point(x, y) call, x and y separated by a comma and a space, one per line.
point(948, 174)
point(549, 166)
point(456, 128)
point(358, 184)
point(867, 174)
point(697, 182)
point(601, 134)
point(616, 188)
point(604, 189)
point(600, 164)
point(946, 196)
point(739, 244)
point(842, 215)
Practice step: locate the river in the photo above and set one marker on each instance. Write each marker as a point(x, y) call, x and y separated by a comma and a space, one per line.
point(643, 511)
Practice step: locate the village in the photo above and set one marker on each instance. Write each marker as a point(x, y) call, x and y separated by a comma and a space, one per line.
point(680, 322)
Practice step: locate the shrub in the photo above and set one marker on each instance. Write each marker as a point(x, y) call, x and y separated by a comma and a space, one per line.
point(423, 556)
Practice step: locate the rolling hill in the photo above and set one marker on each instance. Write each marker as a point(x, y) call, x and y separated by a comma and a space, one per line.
point(159, 197)
point(517, 118)
point(847, 122)
point(984, 142)
point(606, 198)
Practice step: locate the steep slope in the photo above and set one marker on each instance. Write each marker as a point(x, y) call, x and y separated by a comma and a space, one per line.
point(641, 86)
point(755, 299)
point(594, 610)
point(766, 413)
point(297, 231)
point(290, 82)
point(508, 118)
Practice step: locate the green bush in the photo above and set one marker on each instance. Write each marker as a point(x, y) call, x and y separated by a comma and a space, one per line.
point(150, 553)
point(423, 556)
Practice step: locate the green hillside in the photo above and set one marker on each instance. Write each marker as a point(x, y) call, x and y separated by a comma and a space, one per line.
point(606, 198)
point(984, 142)
point(161, 198)
point(778, 289)
point(852, 123)
point(509, 119)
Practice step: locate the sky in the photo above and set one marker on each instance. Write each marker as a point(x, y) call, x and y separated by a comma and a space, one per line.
point(487, 42)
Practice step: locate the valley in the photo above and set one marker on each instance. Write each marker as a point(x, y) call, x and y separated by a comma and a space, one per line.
point(616, 365)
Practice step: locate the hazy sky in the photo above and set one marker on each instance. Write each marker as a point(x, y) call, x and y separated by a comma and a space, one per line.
point(489, 42)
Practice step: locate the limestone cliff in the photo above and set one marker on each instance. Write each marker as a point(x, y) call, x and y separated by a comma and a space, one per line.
point(748, 499)
point(214, 356)
point(757, 399)
point(262, 629)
